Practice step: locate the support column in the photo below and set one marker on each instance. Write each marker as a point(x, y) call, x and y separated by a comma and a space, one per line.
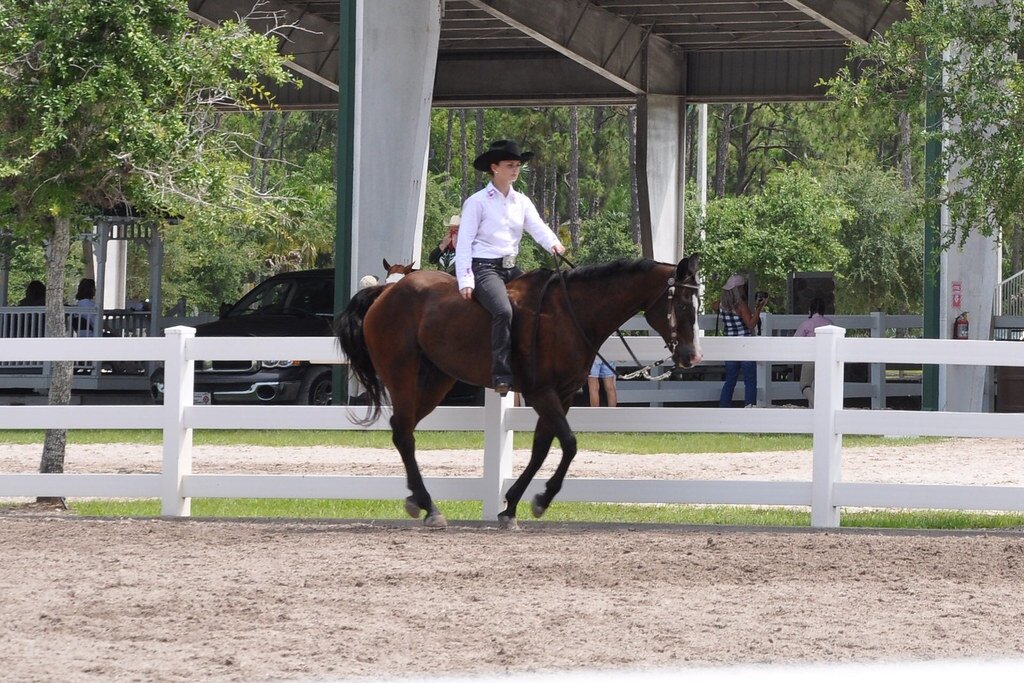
point(973, 272)
point(156, 269)
point(115, 274)
point(659, 152)
point(396, 57)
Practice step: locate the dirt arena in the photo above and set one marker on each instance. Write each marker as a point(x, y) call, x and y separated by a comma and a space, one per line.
point(211, 600)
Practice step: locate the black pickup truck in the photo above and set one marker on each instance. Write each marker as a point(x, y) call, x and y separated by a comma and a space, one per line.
point(296, 304)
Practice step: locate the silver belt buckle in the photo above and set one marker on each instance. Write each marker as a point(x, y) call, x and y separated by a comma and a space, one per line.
point(508, 261)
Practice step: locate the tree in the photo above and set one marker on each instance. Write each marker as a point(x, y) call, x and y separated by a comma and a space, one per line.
point(116, 103)
point(793, 226)
point(966, 55)
point(882, 235)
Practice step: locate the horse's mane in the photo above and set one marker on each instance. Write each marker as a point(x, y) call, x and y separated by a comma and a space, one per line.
point(595, 272)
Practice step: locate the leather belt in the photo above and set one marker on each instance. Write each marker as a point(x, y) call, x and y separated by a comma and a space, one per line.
point(501, 262)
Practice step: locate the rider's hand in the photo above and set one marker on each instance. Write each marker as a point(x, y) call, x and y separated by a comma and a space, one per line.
point(558, 249)
point(467, 293)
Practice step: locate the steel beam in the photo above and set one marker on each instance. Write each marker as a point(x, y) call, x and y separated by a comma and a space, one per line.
point(311, 41)
point(855, 20)
point(597, 39)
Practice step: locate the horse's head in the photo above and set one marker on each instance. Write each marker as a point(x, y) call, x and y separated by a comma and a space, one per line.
point(397, 271)
point(674, 313)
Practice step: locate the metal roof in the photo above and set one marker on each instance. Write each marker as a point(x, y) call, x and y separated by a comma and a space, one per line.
point(507, 52)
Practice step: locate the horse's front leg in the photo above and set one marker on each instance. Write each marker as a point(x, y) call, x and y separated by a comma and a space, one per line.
point(567, 440)
point(551, 419)
point(542, 438)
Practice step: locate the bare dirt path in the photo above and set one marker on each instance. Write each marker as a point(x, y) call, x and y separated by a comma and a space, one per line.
point(211, 600)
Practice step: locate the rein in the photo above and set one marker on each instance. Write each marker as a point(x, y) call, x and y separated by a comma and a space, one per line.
point(644, 371)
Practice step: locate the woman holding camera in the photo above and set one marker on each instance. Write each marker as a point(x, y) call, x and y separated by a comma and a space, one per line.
point(739, 321)
point(444, 253)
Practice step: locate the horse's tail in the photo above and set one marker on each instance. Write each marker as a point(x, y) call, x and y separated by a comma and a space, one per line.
point(349, 329)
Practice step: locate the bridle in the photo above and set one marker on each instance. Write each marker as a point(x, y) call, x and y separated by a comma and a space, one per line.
point(644, 370)
point(671, 289)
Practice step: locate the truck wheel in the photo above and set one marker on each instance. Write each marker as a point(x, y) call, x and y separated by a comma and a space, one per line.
point(316, 390)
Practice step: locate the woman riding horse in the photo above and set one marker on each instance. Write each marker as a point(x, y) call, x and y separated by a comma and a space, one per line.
point(415, 338)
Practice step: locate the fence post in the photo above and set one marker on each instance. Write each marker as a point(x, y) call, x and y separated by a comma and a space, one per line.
point(828, 443)
point(497, 451)
point(179, 381)
point(877, 369)
point(764, 367)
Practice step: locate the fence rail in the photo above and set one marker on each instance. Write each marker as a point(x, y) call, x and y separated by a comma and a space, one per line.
point(827, 422)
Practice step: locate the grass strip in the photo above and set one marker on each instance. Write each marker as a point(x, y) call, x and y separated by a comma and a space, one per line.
point(606, 442)
point(710, 515)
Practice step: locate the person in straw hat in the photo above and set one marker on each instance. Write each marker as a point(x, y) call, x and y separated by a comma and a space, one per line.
point(492, 225)
point(443, 254)
point(739, 321)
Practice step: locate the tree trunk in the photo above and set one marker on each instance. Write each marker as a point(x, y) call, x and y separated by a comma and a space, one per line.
point(906, 170)
point(597, 149)
point(57, 250)
point(464, 152)
point(743, 151)
point(448, 143)
point(722, 149)
point(262, 142)
point(574, 176)
point(282, 132)
point(1017, 251)
point(540, 194)
point(554, 198)
point(479, 114)
point(634, 188)
point(690, 166)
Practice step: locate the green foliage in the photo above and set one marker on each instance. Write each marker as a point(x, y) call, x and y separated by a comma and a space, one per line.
point(441, 204)
point(113, 103)
point(793, 226)
point(964, 55)
point(104, 103)
point(883, 237)
point(606, 238)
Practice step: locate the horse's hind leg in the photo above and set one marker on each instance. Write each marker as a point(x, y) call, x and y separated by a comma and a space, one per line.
point(419, 500)
point(431, 390)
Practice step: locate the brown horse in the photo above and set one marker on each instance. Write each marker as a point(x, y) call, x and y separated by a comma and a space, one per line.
point(393, 272)
point(416, 337)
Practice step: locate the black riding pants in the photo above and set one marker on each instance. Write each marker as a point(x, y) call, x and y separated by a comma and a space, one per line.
point(491, 293)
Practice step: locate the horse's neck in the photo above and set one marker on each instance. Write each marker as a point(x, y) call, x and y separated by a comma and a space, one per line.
point(602, 306)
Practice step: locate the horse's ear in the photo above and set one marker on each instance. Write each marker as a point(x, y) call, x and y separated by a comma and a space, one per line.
point(387, 266)
point(688, 267)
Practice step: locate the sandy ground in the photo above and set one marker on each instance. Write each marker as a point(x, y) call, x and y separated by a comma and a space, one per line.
point(90, 600)
point(953, 461)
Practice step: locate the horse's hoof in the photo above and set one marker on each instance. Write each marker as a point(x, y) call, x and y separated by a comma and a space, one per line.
point(537, 508)
point(412, 508)
point(435, 520)
point(509, 523)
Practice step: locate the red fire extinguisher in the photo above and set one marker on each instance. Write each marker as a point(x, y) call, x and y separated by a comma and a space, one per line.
point(961, 327)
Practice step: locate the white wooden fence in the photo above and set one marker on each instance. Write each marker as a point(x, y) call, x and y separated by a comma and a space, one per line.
point(825, 494)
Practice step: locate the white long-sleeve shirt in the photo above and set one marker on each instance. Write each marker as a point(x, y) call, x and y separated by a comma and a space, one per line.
point(492, 227)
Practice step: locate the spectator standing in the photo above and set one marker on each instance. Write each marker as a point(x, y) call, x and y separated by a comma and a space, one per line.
point(602, 373)
point(808, 328)
point(739, 321)
point(443, 255)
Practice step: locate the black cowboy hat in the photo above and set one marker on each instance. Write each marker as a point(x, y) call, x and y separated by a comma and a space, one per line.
point(500, 150)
